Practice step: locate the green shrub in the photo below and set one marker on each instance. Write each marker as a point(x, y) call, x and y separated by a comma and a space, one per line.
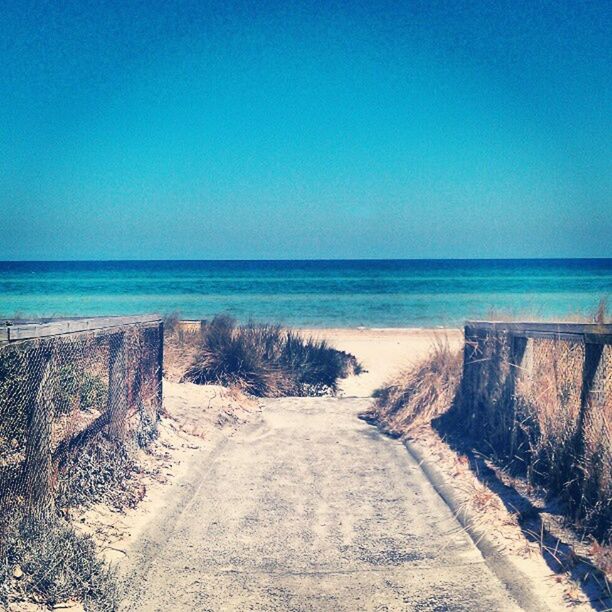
point(93, 393)
point(267, 360)
point(73, 387)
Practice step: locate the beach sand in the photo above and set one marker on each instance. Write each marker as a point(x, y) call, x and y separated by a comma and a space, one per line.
point(200, 417)
point(383, 352)
point(215, 415)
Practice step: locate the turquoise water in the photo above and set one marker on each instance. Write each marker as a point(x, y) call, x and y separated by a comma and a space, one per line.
point(320, 293)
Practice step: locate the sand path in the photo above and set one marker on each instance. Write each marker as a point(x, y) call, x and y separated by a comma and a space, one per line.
point(308, 508)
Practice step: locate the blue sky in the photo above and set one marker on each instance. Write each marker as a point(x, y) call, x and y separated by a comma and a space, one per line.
point(314, 130)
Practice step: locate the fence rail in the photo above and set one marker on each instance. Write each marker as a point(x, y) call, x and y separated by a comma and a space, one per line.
point(590, 333)
point(64, 382)
point(540, 395)
point(60, 327)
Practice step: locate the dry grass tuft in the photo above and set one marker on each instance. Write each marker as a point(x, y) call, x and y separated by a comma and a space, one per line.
point(172, 323)
point(182, 341)
point(523, 406)
point(420, 393)
point(267, 360)
point(100, 472)
point(601, 314)
point(602, 555)
point(50, 564)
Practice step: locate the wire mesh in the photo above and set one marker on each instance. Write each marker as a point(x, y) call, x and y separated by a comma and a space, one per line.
point(544, 404)
point(59, 393)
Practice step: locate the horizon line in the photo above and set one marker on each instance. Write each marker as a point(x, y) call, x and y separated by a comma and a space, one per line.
point(319, 259)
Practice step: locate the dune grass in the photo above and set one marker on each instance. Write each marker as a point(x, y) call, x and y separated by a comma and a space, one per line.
point(50, 563)
point(420, 393)
point(267, 360)
point(531, 427)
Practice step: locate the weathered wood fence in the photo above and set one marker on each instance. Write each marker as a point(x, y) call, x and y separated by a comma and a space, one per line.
point(65, 381)
point(540, 396)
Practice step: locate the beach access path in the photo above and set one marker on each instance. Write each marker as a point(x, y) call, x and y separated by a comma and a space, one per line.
point(308, 508)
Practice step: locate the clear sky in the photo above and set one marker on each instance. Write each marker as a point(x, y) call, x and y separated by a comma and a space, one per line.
point(314, 130)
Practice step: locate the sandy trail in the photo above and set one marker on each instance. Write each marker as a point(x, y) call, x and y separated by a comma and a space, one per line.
point(308, 508)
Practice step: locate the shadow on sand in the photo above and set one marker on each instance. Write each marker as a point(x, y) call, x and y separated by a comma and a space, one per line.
point(559, 555)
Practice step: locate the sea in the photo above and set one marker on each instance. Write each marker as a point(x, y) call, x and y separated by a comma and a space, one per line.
point(339, 293)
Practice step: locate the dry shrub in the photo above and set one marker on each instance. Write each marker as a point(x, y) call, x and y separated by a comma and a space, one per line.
point(420, 393)
point(567, 454)
point(54, 563)
point(267, 360)
point(172, 323)
point(100, 471)
point(49, 563)
point(602, 556)
point(521, 403)
point(601, 313)
point(182, 341)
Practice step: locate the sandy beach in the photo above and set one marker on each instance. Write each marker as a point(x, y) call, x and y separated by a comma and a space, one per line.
point(383, 352)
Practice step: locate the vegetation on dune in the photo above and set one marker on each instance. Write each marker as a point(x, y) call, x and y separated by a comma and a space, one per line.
point(421, 392)
point(76, 460)
point(50, 563)
point(45, 561)
point(267, 360)
point(172, 323)
point(101, 471)
point(531, 427)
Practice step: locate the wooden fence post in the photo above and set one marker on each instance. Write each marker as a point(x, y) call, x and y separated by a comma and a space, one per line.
point(473, 346)
point(592, 357)
point(160, 369)
point(117, 386)
point(38, 465)
point(517, 352)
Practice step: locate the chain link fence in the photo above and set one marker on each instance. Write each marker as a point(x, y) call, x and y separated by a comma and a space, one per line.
point(540, 396)
point(64, 385)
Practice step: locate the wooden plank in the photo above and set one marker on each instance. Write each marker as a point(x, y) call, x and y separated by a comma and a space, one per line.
point(591, 333)
point(71, 326)
point(598, 338)
point(571, 328)
point(549, 335)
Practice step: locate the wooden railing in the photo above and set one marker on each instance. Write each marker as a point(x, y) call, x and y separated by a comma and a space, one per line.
point(63, 382)
point(540, 396)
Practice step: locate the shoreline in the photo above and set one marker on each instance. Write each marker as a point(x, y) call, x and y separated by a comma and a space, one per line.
point(350, 328)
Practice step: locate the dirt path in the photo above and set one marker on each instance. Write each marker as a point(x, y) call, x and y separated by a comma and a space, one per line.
point(308, 509)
